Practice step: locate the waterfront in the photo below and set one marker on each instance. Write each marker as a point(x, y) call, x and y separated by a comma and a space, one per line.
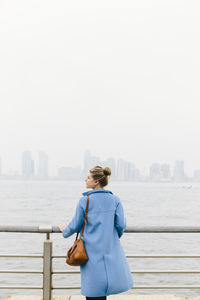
point(54, 202)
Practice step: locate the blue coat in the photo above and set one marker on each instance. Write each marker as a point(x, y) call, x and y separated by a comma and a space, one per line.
point(107, 271)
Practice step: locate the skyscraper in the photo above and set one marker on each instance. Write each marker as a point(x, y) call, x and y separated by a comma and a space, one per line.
point(165, 171)
point(89, 162)
point(27, 165)
point(178, 172)
point(154, 172)
point(121, 169)
point(43, 165)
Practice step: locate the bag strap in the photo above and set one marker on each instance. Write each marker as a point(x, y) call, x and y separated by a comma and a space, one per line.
point(85, 221)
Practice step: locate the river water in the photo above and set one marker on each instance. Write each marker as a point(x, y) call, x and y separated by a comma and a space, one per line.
point(145, 204)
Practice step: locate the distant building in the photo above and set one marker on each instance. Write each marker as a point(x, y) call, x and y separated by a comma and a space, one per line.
point(165, 171)
point(110, 162)
point(155, 172)
point(159, 172)
point(132, 172)
point(43, 165)
point(0, 167)
point(197, 175)
point(69, 173)
point(27, 165)
point(178, 171)
point(127, 167)
point(88, 163)
point(121, 169)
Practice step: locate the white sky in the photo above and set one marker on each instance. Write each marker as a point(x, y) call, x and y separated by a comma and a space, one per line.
point(120, 78)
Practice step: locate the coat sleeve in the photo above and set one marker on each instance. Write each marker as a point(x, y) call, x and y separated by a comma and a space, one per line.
point(120, 220)
point(76, 223)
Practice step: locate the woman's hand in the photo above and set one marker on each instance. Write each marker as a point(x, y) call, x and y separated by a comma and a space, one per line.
point(62, 226)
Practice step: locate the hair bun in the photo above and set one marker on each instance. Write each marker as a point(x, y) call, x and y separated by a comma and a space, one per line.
point(107, 171)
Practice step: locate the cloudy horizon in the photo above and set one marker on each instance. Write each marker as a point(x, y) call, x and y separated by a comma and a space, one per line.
point(118, 78)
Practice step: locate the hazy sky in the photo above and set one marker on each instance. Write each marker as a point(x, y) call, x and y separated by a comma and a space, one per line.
point(120, 78)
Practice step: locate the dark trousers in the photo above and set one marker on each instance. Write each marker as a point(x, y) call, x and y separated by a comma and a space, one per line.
point(96, 298)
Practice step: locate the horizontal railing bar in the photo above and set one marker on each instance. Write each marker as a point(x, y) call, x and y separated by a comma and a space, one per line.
point(168, 287)
point(22, 287)
point(148, 255)
point(78, 272)
point(128, 256)
point(135, 271)
point(165, 271)
point(164, 255)
point(131, 229)
point(66, 288)
point(162, 229)
point(137, 287)
point(21, 271)
point(14, 228)
point(65, 272)
point(58, 256)
point(22, 255)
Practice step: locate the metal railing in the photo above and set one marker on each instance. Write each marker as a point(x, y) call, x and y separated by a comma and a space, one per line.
point(47, 257)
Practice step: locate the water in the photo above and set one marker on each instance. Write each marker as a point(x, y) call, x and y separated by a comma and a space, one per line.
point(146, 204)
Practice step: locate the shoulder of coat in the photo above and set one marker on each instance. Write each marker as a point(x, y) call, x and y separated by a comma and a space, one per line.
point(83, 201)
point(117, 199)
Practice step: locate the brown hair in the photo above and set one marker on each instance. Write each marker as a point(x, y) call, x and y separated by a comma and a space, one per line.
point(101, 174)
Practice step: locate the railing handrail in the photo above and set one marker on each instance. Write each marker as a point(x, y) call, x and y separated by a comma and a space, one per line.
point(132, 229)
point(48, 256)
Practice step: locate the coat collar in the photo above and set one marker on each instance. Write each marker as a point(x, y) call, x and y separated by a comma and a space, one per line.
point(96, 191)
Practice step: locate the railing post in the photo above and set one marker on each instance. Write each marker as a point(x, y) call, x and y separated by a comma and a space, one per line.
point(47, 268)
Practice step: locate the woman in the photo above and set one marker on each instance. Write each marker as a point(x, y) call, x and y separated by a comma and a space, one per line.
point(107, 271)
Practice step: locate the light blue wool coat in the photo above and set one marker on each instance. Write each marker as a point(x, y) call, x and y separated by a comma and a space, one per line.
point(107, 271)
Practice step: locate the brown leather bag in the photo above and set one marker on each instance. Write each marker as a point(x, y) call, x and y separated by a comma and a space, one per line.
point(77, 255)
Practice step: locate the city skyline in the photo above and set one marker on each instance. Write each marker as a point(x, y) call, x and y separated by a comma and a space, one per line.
point(132, 90)
point(121, 169)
